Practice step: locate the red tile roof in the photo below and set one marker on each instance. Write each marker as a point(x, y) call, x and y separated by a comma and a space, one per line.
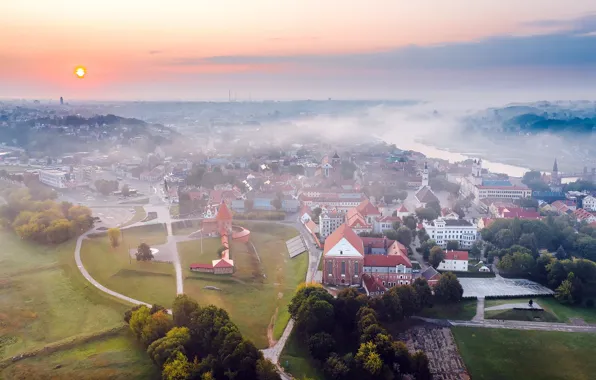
point(520, 213)
point(373, 284)
point(456, 255)
point(201, 266)
point(386, 261)
point(344, 232)
point(223, 213)
point(366, 208)
point(223, 264)
point(426, 195)
point(377, 242)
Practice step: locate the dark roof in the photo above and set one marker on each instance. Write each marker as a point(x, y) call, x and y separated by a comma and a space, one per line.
point(426, 195)
point(377, 242)
point(457, 222)
point(429, 273)
point(204, 266)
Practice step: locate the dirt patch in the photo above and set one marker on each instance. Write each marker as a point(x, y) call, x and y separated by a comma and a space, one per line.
point(270, 338)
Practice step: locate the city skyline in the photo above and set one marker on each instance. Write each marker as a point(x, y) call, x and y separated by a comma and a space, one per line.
point(265, 49)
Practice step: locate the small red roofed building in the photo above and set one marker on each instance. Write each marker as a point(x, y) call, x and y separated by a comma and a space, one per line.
point(456, 261)
point(403, 211)
point(385, 223)
point(221, 224)
point(431, 276)
point(343, 257)
point(373, 286)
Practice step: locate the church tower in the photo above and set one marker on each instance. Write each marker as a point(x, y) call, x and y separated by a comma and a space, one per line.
point(554, 177)
point(477, 172)
point(425, 175)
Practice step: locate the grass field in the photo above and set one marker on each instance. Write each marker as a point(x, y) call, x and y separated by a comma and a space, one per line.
point(560, 311)
point(521, 315)
point(145, 281)
point(464, 310)
point(114, 357)
point(44, 298)
point(139, 215)
point(295, 359)
point(257, 291)
point(499, 354)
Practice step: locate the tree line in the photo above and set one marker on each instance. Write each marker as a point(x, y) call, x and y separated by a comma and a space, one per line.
point(345, 335)
point(33, 216)
point(197, 342)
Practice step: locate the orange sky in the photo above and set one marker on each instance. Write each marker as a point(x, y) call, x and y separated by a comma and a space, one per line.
point(136, 41)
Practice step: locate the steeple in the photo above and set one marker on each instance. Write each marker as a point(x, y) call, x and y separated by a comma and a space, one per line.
point(425, 175)
point(555, 167)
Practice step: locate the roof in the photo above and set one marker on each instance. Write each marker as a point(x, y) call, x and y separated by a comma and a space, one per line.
point(344, 232)
point(386, 261)
point(403, 208)
point(521, 214)
point(457, 222)
point(429, 273)
point(487, 222)
point(503, 187)
point(223, 264)
point(201, 266)
point(366, 208)
point(223, 213)
point(426, 195)
point(377, 242)
point(496, 182)
point(312, 226)
point(456, 255)
point(373, 284)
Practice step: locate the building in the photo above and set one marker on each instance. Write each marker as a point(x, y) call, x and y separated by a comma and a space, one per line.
point(454, 261)
point(343, 256)
point(431, 276)
point(55, 178)
point(329, 221)
point(384, 223)
point(392, 270)
point(589, 203)
point(582, 215)
point(442, 230)
point(425, 195)
point(497, 188)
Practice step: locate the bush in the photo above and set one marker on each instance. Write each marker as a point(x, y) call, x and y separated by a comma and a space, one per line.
point(590, 303)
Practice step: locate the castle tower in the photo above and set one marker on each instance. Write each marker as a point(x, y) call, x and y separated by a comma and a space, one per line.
point(425, 175)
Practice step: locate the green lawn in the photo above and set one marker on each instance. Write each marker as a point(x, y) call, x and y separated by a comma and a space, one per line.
point(113, 357)
point(257, 291)
point(499, 354)
point(521, 315)
point(295, 359)
point(464, 310)
point(44, 298)
point(139, 215)
point(150, 282)
point(560, 311)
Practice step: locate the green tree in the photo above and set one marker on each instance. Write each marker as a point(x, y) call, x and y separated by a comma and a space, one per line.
point(177, 368)
point(266, 370)
point(517, 263)
point(368, 358)
point(529, 241)
point(347, 304)
point(404, 236)
point(335, 368)
point(410, 222)
point(182, 309)
point(138, 319)
point(420, 368)
point(423, 291)
point(561, 254)
point(114, 237)
point(144, 253)
point(476, 250)
point(426, 213)
point(426, 247)
point(276, 203)
point(125, 190)
point(320, 345)
point(156, 327)
point(452, 245)
point(436, 256)
point(175, 341)
point(564, 292)
point(448, 289)
point(408, 299)
point(504, 238)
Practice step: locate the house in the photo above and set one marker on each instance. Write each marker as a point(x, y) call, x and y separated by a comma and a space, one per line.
point(580, 214)
point(305, 214)
point(444, 230)
point(589, 203)
point(373, 286)
point(447, 213)
point(431, 275)
point(392, 270)
point(484, 223)
point(343, 258)
point(384, 223)
point(493, 187)
point(424, 196)
point(456, 261)
point(329, 221)
point(403, 211)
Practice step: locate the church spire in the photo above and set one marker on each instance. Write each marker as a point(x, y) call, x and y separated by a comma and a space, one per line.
point(555, 167)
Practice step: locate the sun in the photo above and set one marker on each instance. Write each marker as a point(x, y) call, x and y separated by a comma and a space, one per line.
point(80, 72)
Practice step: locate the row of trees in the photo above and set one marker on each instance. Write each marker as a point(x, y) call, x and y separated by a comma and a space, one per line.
point(197, 343)
point(106, 187)
point(43, 220)
point(345, 337)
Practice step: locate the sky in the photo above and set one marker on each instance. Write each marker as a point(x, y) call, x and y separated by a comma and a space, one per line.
point(278, 49)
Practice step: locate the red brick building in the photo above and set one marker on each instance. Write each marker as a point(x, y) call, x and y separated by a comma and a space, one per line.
point(343, 257)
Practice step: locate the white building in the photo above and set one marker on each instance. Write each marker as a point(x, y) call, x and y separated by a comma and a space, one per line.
point(482, 188)
point(456, 261)
point(329, 221)
point(55, 178)
point(442, 230)
point(589, 203)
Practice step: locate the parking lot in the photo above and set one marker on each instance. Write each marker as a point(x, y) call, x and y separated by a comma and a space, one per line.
point(499, 286)
point(113, 216)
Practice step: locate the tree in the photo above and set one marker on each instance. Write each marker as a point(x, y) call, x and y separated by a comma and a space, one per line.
point(517, 263)
point(404, 236)
point(504, 238)
point(561, 254)
point(564, 292)
point(347, 304)
point(410, 222)
point(335, 368)
point(528, 240)
point(156, 327)
point(164, 348)
point(436, 256)
point(249, 204)
point(138, 319)
point(316, 213)
point(312, 309)
point(426, 214)
point(408, 299)
point(276, 203)
point(114, 236)
point(452, 245)
point(448, 288)
point(368, 358)
point(476, 250)
point(125, 190)
point(426, 247)
point(144, 253)
point(177, 368)
point(419, 364)
point(182, 309)
point(527, 202)
point(266, 370)
point(320, 345)
point(423, 291)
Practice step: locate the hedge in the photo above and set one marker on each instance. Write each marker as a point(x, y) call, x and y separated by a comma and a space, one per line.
point(471, 274)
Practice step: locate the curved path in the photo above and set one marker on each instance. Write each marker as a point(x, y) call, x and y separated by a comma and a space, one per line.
point(514, 325)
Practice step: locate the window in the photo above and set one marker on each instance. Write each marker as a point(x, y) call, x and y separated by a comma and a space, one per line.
point(343, 268)
point(356, 269)
point(329, 267)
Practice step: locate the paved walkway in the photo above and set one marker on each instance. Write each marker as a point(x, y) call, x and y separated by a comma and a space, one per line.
point(514, 325)
point(479, 310)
